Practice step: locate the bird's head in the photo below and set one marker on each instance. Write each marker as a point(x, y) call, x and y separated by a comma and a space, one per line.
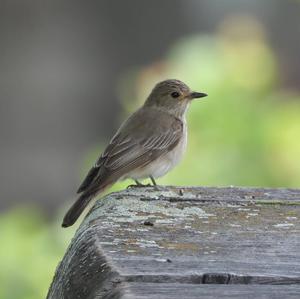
point(173, 96)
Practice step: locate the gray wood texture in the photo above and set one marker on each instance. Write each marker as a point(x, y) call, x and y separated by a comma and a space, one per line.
point(185, 242)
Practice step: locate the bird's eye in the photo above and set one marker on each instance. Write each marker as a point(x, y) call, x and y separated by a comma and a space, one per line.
point(175, 94)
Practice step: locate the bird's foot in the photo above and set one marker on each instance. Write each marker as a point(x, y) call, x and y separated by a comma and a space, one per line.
point(138, 185)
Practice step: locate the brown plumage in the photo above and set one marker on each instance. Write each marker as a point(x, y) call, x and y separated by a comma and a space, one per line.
point(148, 135)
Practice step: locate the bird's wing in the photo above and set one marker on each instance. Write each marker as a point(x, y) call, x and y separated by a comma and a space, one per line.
point(132, 148)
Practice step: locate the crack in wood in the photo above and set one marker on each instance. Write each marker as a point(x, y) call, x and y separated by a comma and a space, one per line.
point(214, 278)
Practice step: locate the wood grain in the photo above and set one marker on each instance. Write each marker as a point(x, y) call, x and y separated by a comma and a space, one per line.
point(158, 243)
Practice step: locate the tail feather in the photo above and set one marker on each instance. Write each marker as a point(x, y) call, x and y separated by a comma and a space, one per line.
point(76, 209)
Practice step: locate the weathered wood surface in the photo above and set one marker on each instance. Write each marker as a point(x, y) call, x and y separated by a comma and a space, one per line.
point(185, 243)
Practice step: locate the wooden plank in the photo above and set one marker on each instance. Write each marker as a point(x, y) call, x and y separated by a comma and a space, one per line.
point(212, 237)
point(174, 236)
point(188, 291)
point(84, 271)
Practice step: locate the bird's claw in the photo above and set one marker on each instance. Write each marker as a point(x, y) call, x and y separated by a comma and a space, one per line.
point(138, 186)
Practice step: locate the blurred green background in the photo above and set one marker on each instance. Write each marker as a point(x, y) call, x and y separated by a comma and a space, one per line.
point(246, 133)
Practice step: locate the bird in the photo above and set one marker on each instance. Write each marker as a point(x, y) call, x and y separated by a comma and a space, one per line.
point(148, 144)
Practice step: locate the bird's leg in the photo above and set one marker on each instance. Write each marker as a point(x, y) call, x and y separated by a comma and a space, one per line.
point(138, 185)
point(152, 180)
point(155, 186)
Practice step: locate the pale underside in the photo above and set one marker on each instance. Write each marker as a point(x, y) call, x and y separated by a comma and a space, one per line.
point(163, 164)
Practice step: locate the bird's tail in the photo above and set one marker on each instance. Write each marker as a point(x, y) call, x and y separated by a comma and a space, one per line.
point(77, 208)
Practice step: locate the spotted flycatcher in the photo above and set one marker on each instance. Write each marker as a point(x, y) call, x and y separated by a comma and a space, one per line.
point(147, 145)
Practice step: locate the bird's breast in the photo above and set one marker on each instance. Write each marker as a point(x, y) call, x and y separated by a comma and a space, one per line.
point(175, 155)
point(165, 163)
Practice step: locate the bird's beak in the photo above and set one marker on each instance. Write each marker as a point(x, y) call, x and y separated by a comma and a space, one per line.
point(197, 95)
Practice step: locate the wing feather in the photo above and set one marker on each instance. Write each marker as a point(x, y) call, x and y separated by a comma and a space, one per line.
point(130, 148)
